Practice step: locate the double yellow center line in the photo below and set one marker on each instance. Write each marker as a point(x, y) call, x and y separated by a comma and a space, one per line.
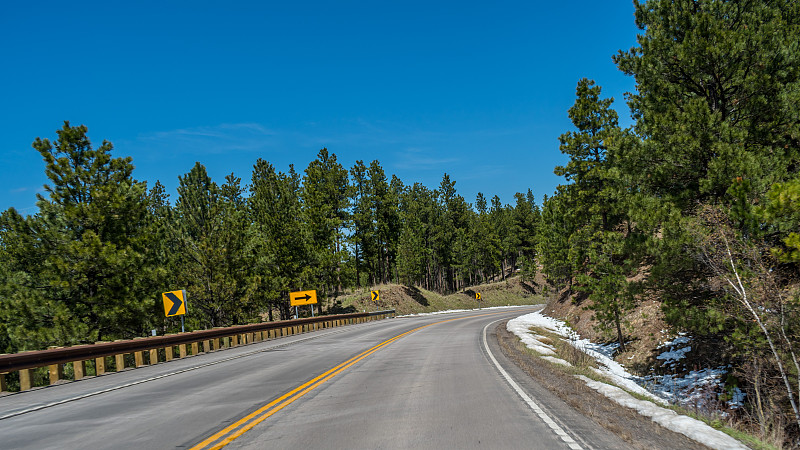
point(241, 426)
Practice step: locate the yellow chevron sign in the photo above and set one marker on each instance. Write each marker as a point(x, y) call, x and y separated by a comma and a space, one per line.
point(174, 303)
point(477, 296)
point(376, 295)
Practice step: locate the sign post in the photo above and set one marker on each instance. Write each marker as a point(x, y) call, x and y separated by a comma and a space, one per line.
point(175, 305)
point(478, 298)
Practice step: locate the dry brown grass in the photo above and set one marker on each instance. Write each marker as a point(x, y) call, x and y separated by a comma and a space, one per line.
point(574, 355)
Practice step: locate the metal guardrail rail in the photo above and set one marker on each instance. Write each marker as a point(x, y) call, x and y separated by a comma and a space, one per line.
point(56, 358)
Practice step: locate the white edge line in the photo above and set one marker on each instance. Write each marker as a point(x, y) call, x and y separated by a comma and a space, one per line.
point(539, 411)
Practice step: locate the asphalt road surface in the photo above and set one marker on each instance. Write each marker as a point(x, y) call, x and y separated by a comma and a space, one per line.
point(435, 381)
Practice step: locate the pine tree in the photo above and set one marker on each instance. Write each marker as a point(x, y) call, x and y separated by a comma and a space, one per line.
point(76, 272)
point(325, 195)
point(384, 209)
point(282, 260)
point(715, 97)
point(553, 246)
point(417, 205)
point(213, 230)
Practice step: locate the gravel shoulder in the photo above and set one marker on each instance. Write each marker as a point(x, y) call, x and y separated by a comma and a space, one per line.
point(633, 428)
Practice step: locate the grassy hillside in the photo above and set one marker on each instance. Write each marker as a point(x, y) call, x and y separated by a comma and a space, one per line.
point(412, 300)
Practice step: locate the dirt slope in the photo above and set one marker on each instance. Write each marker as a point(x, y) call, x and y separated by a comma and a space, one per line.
point(644, 328)
point(413, 300)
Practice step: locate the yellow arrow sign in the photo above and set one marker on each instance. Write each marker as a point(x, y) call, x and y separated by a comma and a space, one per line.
point(302, 298)
point(376, 295)
point(174, 303)
point(477, 296)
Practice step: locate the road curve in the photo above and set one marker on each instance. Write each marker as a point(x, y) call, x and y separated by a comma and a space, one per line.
point(413, 382)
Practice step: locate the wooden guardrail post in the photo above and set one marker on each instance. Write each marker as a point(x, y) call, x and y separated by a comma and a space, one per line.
point(195, 349)
point(79, 369)
point(3, 385)
point(100, 365)
point(153, 356)
point(207, 346)
point(25, 379)
point(138, 358)
point(182, 350)
point(119, 360)
point(168, 353)
point(56, 372)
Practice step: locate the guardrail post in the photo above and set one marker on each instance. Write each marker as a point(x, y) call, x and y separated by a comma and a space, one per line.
point(216, 343)
point(120, 362)
point(100, 365)
point(24, 379)
point(182, 350)
point(79, 369)
point(153, 356)
point(56, 372)
point(206, 346)
point(195, 349)
point(138, 358)
point(168, 353)
point(3, 385)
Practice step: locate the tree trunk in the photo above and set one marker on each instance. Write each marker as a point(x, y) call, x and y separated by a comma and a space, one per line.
point(619, 332)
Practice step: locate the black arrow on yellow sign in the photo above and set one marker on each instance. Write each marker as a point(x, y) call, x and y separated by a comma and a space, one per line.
point(176, 303)
point(375, 296)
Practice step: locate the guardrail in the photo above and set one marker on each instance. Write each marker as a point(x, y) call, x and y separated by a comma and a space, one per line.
point(157, 348)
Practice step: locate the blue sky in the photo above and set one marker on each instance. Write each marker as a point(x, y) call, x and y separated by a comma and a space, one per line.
point(479, 90)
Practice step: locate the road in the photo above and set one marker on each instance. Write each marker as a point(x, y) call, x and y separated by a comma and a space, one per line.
point(435, 381)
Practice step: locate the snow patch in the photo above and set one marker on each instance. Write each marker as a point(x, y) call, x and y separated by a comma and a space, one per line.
point(557, 360)
point(667, 418)
point(690, 390)
point(602, 353)
point(698, 388)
